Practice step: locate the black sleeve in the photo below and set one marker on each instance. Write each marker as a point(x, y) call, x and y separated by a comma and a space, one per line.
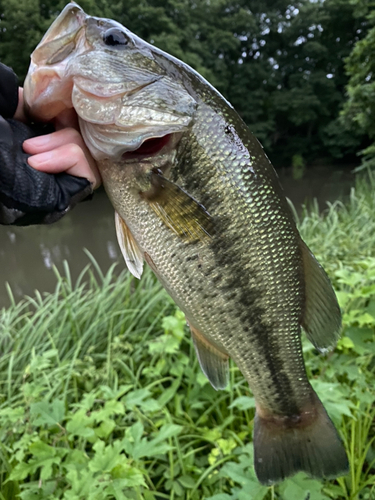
point(8, 91)
point(28, 196)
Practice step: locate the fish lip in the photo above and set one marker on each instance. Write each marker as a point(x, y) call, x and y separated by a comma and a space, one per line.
point(135, 90)
point(70, 25)
point(80, 19)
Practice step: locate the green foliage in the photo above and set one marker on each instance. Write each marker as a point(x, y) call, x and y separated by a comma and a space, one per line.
point(280, 64)
point(342, 240)
point(359, 108)
point(102, 397)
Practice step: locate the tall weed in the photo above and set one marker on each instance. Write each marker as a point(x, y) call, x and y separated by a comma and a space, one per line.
point(101, 395)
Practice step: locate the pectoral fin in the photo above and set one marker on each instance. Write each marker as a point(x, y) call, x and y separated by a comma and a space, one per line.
point(214, 363)
point(129, 247)
point(177, 209)
point(322, 317)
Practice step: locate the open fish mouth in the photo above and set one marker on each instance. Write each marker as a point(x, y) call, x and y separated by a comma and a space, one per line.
point(126, 103)
point(149, 147)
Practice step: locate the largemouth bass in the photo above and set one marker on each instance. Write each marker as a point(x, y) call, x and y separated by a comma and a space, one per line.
point(197, 199)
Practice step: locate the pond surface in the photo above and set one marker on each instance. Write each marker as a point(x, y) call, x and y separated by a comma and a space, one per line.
point(27, 255)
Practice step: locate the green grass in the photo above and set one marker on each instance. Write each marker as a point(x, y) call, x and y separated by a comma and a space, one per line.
point(101, 395)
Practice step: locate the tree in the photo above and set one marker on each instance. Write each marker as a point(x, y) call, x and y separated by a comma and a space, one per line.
point(293, 70)
point(24, 22)
point(360, 65)
point(281, 64)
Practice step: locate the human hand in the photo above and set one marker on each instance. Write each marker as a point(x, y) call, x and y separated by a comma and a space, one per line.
point(36, 196)
point(63, 151)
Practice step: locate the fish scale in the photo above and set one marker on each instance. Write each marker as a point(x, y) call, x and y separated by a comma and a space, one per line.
point(185, 285)
point(202, 205)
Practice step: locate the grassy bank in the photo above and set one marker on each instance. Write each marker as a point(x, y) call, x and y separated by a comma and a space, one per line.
point(101, 395)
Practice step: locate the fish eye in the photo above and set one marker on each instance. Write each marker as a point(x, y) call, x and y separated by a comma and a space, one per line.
point(114, 36)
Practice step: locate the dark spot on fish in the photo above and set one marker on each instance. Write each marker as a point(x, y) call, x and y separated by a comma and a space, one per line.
point(216, 279)
point(234, 281)
point(191, 257)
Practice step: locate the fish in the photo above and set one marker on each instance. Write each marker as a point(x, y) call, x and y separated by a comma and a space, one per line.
point(197, 199)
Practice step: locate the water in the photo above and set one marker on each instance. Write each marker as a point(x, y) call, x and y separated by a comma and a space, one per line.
point(27, 255)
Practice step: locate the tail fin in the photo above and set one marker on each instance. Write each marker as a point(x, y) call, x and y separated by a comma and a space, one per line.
point(309, 442)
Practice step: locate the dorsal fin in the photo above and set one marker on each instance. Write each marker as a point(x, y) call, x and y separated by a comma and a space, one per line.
point(214, 363)
point(129, 247)
point(322, 317)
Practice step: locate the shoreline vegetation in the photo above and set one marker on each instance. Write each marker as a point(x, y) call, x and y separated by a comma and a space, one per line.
point(101, 395)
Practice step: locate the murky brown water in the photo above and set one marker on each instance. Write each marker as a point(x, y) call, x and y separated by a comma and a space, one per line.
point(27, 255)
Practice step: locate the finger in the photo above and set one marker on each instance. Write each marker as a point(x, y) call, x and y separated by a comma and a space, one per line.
point(48, 142)
point(69, 158)
point(62, 140)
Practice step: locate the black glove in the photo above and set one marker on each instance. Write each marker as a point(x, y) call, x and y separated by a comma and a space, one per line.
point(28, 196)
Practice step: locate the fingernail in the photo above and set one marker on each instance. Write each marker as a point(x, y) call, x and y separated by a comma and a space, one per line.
point(38, 160)
point(41, 140)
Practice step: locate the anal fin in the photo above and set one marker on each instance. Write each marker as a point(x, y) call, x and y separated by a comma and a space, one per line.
point(129, 247)
point(322, 317)
point(213, 362)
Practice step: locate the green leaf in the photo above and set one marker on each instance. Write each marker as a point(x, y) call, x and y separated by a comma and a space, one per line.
point(253, 490)
point(115, 489)
point(131, 476)
point(136, 398)
point(243, 403)
point(111, 408)
point(105, 428)
point(167, 344)
point(167, 431)
point(177, 488)
point(300, 487)
point(109, 393)
point(20, 472)
point(334, 400)
point(175, 325)
point(44, 413)
point(80, 425)
point(220, 496)
point(82, 484)
point(11, 415)
point(187, 481)
point(243, 474)
point(77, 458)
point(236, 473)
point(106, 457)
point(227, 445)
point(345, 343)
point(156, 446)
point(169, 393)
point(135, 432)
point(44, 457)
